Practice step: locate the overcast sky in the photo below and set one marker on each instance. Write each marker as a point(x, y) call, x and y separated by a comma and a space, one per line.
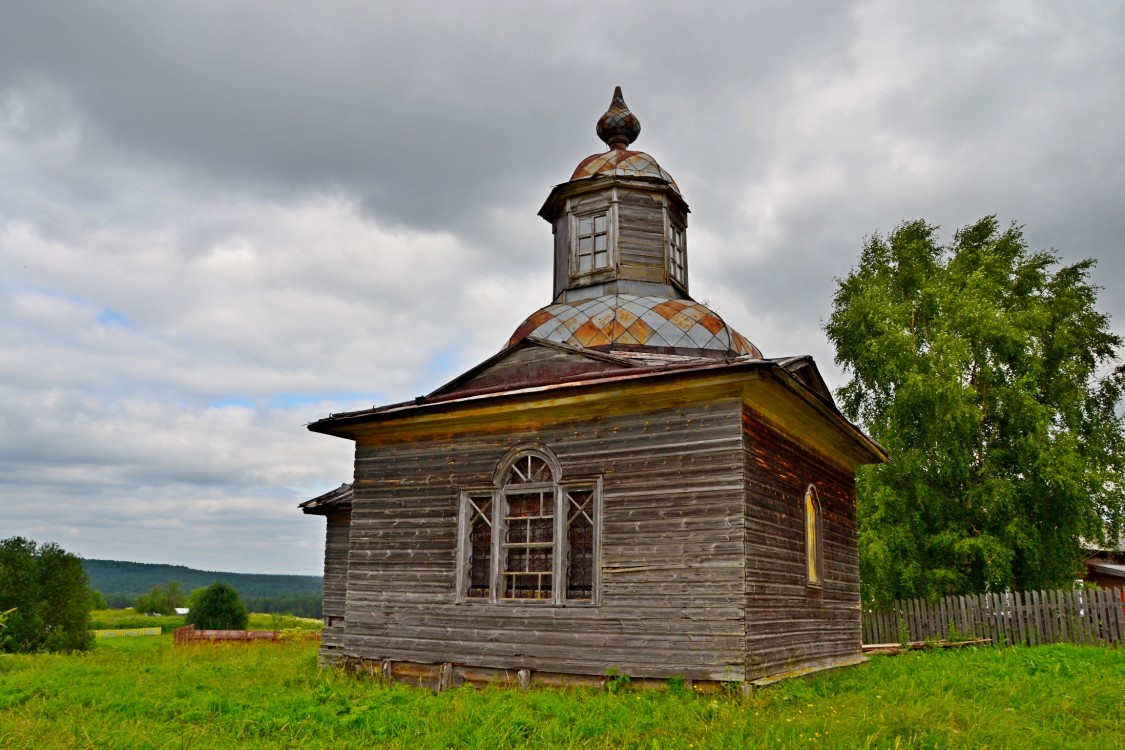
point(220, 221)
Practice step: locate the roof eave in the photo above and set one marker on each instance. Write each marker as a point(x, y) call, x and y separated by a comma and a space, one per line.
point(341, 425)
point(559, 193)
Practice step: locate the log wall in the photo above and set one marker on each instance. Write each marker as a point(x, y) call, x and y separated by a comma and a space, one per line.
point(789, 623)
point(335, 585)
point(672, 546)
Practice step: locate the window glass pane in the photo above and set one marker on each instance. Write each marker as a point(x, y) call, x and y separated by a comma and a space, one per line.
point(599, 223)
point(583, 263)
point(585, 245)
point(601, 242)
point(585, 226)
point(601, 260)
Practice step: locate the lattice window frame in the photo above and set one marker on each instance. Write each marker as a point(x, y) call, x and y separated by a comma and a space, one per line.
point(576, 507)
point(474, 515)
point(572, 511)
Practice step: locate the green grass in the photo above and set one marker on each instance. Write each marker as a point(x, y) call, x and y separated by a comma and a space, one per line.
point(146, 693)
point(113, 619)
point(283, 622)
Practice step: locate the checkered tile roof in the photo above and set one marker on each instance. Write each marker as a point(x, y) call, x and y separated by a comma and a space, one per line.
point(625, 319)
point(622, 163)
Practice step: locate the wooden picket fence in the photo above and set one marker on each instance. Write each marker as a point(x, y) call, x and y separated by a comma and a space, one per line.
point(1013, 617)
point(125, 632)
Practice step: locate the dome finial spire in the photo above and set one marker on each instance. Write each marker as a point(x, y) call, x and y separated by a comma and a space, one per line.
point(618, 127)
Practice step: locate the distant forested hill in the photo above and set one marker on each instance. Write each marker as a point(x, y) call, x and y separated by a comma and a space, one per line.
point(122, 582)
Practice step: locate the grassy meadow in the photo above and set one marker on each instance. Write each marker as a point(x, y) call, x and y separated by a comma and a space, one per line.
point(147, 693)
point(112, 619)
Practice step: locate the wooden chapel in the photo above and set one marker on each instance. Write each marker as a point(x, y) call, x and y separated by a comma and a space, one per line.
point(628, 486)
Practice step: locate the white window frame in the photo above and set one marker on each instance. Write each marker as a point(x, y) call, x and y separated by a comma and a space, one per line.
point(677, 252)
point(609, 213)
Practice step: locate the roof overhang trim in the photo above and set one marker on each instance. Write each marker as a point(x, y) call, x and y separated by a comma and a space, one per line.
point(351, 424)
point(559, 193)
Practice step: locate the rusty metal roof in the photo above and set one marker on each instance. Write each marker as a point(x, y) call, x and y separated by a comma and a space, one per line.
point(621, 321)
point(622, 164)
point(337, 499)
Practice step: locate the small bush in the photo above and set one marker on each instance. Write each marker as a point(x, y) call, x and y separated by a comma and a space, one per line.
point(676, 685)
point(615, 681)
point(218, 607)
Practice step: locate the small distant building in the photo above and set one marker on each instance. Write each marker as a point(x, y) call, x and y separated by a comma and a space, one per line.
point(1105, 563)
point(628, 485)
point(181, 610)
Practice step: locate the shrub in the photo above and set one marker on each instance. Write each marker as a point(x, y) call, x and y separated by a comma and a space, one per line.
point(218, 607)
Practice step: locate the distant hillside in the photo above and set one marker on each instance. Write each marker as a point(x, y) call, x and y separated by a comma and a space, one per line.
point(122, 582)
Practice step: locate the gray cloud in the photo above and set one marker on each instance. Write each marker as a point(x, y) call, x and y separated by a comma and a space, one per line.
point(219, 221)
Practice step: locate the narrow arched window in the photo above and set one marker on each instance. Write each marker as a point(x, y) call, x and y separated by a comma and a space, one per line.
point(813, 560)
point(529, 500)
point(531, 537)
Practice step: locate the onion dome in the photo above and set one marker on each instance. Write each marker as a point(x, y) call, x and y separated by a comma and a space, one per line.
point(619, 127)
point(629, 322)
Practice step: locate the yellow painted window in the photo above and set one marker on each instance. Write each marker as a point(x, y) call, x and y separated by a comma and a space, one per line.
point(812, 535)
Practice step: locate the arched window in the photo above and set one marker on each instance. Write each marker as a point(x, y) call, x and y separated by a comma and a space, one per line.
point(528, 494)
point(531, 537)
point(813, 560)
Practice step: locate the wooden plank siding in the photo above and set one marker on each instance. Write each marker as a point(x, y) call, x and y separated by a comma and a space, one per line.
point(789, 622)
point(672, 591)
point(641, 244)
point(561, 231)
point(336, 537)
